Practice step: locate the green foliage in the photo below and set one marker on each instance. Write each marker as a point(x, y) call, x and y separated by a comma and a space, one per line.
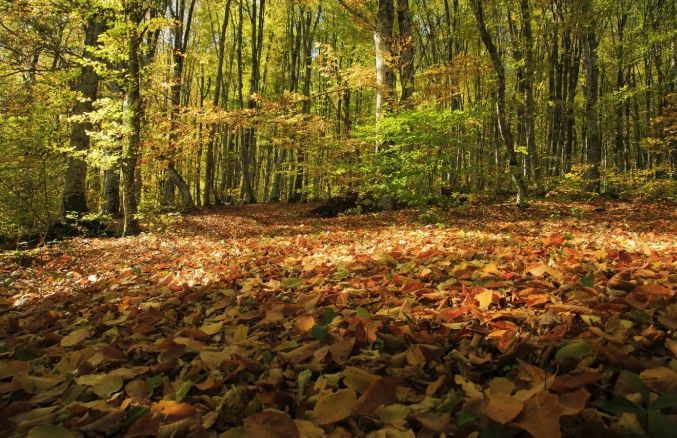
point(412, 145)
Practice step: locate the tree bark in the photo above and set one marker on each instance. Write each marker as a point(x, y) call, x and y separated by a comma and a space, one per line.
point(383, 40)
point(503, 124)
point(592, 132)
point(406, 49)
point(209, 163)
point(530, 105)
point(74, 198)
point(130, 155)
point(181, 33)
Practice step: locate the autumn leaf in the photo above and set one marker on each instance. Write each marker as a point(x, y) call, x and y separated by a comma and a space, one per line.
point(270, 424)
point(334, 407)
point(75, 337)
point(541, 415)
point(503, 408)
point(305, 323)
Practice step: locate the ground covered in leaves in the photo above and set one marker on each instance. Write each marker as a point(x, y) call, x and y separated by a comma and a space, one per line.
point(258, 321)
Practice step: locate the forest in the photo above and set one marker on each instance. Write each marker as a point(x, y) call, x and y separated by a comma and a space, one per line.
point(337, 218)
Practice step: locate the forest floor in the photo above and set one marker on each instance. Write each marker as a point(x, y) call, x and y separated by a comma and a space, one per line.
point(258, 321)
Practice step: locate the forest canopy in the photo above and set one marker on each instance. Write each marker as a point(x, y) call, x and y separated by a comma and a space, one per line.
point(121, 107)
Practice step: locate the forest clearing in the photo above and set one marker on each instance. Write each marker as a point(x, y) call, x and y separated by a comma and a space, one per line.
point(260, 321)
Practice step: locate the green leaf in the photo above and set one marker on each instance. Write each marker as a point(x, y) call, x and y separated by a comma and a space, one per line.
point(23, 353)
point(328, 317)
point(637, 383)
point(588, 280)
point(134, 413)
point(660, 426)
point(665, 401)
point(154, 382)
point(619, 404)
point(449, 403)
point(290, 283)
point(576, 350)
point(46, 431)
point(362, 313)
point(183, 390)
point(463, 418)
point(319, 332)
point(303, 380)
point(640, 316)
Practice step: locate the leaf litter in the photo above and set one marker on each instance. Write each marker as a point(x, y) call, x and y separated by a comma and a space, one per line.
point(257, 321)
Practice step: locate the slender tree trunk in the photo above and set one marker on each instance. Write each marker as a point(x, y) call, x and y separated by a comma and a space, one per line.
point(593, 135)
point(504, 126)
point(619, 142)
point(383, 40)
point(133, 109)
point(248, 151)
point(181, 33)
point(209, 164)
point(530, 105)
point(74, 199)
point(406, 49)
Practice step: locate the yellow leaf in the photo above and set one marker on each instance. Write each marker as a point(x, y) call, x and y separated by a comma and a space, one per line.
point(212, 329)
point(305, 323)
point(484, 299)
point(358, 379)
point(75, 337)
point(503, 408)
point(334, 407)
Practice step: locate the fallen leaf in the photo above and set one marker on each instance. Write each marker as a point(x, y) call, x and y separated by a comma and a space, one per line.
point(305, 323)
point(503, 408)
point(541, 415)
point(334, 407)
point(270, 424)
point(75, 337)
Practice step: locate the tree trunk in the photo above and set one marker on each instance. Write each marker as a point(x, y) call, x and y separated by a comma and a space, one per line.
point(504, 126)
point(209, 163)
point(406, 49)
point(130, 154)
point(592, 132)
point(383, 39)
point(184, 189)
point(74, 198)
point(530, 105)
point(181, 33)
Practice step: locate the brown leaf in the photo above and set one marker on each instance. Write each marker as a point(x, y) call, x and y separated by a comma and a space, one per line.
point(270, 424)
point(144, 426)
point(381, 392)
point(541, 416)
point(574, 402)
point(137, 389)
point(340, 351)
point(503, 408)
point(75, 337)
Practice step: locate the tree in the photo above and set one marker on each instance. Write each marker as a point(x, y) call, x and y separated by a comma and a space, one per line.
point(74, 199)
point(592, 133)
point(183, 19)
point(503, 123)
point(134, 14)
